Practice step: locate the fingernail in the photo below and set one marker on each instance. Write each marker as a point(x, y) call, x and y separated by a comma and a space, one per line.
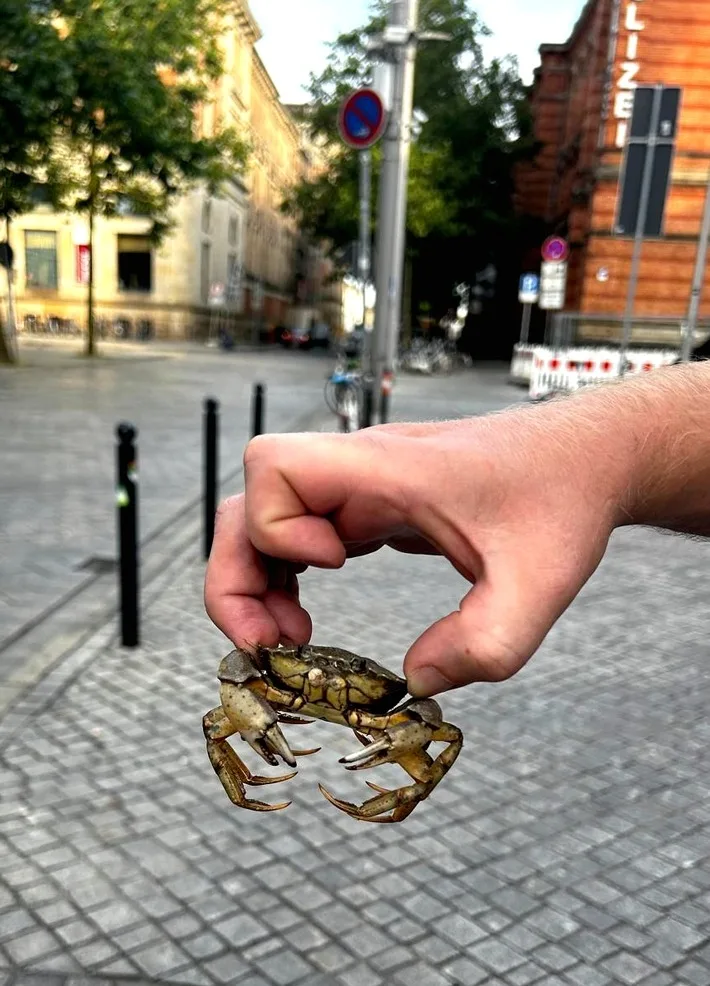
point(425, 682)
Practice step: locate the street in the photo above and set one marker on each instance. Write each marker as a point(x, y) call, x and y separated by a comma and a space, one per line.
point(568, 845)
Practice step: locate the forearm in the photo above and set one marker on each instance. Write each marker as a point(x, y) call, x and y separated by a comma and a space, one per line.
point(657, 431)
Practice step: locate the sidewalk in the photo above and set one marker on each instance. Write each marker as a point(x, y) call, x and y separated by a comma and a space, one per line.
point(568, 846)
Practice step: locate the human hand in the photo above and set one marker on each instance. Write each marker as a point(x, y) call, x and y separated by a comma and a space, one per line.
point(522, 504)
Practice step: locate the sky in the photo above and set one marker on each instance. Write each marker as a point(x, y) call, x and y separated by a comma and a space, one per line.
point(296, 31)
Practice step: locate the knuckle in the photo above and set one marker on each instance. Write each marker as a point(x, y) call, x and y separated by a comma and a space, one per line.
point(260, 447)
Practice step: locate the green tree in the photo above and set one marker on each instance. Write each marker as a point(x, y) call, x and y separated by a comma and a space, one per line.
point(115, 124)
point(141, 68)
point(475, 129)
point(35, 87)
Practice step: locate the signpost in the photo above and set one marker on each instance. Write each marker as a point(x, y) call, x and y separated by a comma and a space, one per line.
point(553, 285)
point(528, 296)
point(361, 123)
point(644, 187)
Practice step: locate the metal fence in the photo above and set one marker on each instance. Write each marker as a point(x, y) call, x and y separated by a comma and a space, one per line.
point(566, 329)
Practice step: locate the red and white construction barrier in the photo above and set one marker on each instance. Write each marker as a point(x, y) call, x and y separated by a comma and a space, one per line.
point(522, 364)
point(569, 369)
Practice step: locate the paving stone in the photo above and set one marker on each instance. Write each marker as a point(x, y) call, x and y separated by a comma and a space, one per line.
point(331, 958)
point(359, 975)
point(422, 975)
point(364, 942)
point(285, 967)
point(464, 972)
point(627, 968)
point(496, 955)
point(26, 948)
point(226, 968)
point(15, 922)
point(160, 961)
point(459, 930)
point(240, 930)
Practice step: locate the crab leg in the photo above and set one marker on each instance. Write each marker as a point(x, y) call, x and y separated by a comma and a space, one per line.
point(402, 738)
point(231, 770)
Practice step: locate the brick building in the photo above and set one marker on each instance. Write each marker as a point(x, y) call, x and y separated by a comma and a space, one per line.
point(581, 100)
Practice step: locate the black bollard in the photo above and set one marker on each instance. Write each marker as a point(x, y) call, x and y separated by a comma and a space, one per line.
point(368, 401)
point(257, 425)
point(127, 502)
point(211, 464)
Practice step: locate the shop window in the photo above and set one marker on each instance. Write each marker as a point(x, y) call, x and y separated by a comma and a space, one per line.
point(207, 216)
point(41, 259)
point(233, 234)
point(135, 264)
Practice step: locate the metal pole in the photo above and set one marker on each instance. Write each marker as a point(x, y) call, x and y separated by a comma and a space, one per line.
point(365, 264)
point(525, 326)
point(127, 503)
point(698, 279)
point(211, 464)
point(257, 427)
point(408, 13)
point(640, 228)
point(392, 204)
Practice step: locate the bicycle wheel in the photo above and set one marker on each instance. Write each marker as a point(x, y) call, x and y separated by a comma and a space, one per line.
point(349, 408)
point(331, 394)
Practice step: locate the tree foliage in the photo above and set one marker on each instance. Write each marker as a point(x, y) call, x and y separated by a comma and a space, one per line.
point(121, 128)
point(475, 129)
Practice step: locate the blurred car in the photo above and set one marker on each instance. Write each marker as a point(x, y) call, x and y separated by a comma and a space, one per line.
point(317, 334)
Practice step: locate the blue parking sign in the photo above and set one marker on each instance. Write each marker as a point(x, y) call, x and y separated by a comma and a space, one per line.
point(529, 289)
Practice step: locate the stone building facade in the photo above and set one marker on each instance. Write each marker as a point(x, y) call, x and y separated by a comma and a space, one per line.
point(239, 240)
point(581, 101)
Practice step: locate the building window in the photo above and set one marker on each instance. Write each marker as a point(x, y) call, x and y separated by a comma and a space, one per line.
point(207, 216)
point(205, 272)
point(135, 264)
point(40, 259)
point(233, 231)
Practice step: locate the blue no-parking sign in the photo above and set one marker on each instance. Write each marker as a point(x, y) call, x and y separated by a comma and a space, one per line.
point(362, 119)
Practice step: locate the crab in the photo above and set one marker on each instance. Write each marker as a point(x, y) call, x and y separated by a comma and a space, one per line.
point(261, 689)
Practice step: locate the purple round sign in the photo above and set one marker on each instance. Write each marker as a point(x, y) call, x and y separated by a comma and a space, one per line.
point(555, 250)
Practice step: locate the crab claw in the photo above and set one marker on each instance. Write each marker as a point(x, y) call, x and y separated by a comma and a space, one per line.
point(306, 753)
point(370, 752)
point(271, 742)
point(288, 720)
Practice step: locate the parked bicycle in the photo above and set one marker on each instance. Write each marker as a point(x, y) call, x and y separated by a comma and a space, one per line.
point(435, 357)
point(344, 394)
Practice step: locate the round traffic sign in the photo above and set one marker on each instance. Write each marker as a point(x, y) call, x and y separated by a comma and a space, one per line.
point(555, 250)
point(362, 119)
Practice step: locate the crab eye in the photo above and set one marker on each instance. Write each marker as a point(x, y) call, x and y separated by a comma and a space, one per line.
point(358, 664)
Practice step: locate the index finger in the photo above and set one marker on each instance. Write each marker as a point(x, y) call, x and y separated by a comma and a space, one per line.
point(238, 596)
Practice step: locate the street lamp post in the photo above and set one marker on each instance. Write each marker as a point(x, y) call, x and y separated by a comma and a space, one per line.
point(398, 47)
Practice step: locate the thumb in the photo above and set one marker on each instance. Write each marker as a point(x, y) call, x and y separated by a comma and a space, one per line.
point(500, 624)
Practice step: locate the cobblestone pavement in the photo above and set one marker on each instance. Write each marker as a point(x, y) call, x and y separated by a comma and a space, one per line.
point(568, 846)
point(57, 449)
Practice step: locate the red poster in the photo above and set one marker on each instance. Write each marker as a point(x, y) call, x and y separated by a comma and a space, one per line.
point(82, 264)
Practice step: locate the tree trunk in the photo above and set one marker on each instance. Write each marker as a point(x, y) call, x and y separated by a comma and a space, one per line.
point(90, 341)
point(6, 353)
point(8, 350)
